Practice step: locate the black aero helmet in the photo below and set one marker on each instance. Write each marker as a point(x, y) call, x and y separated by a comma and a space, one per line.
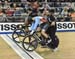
point(31, 15)
point(34, 13)
point(31, 0)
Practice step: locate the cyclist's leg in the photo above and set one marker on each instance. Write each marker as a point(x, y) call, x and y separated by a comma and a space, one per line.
point(39, 31)
point(52, 35)
point(54, 44)
point(43, 32)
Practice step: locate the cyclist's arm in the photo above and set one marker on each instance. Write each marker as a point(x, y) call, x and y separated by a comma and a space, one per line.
point(53, 21)
point(31, 28)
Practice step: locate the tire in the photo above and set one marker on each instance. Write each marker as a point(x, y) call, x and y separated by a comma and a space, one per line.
point(18, 33)
point(30, 43)
point(54, 44)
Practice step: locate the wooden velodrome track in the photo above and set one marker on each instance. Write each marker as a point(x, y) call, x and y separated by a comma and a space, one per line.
point(66, 49)
point(6, 52)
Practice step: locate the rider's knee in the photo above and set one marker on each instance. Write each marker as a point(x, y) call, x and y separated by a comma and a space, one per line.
point(38, 29)
point(43, 31)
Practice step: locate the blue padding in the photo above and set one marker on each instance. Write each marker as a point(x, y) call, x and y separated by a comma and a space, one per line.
point(65, 30)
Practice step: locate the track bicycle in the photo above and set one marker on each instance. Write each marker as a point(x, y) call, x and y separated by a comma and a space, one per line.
point(30, 42)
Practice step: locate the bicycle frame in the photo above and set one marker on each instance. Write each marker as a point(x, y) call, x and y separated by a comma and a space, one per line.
point(36, 36)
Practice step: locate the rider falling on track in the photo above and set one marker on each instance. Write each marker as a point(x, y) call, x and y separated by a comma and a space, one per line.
point(52, 28)
point(39, 22)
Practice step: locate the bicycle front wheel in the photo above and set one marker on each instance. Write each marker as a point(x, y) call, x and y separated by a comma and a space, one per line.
point(18, 35)
point(30, 43)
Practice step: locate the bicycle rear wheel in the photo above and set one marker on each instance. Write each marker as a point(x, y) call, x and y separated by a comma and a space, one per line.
point(18, 35)
point(30, 43)
point(54, 44)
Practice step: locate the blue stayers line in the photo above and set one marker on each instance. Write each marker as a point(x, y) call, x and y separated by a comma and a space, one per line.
point(6, 32)
point(57, 31)
point(65, 30)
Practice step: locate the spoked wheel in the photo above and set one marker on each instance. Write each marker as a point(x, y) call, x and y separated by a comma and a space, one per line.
point(30, 43)
point(18, 35)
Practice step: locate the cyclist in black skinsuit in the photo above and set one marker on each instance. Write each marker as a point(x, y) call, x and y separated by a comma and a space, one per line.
point(52, 28)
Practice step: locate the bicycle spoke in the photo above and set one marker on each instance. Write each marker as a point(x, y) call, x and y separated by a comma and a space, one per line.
point(29, 43)
point(26, 42)
point(21, 33)
point(29, 39)
point(29, 46)
point(16, 37)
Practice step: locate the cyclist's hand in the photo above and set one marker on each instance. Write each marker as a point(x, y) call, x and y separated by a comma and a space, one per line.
point(31, 33)
point(53, 24)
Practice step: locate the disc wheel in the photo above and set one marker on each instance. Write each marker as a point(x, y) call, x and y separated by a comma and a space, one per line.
point(54, 44)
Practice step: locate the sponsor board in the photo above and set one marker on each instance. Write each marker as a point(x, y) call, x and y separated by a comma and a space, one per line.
point(61, 26)
point(65, 26)
point(6, 28)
